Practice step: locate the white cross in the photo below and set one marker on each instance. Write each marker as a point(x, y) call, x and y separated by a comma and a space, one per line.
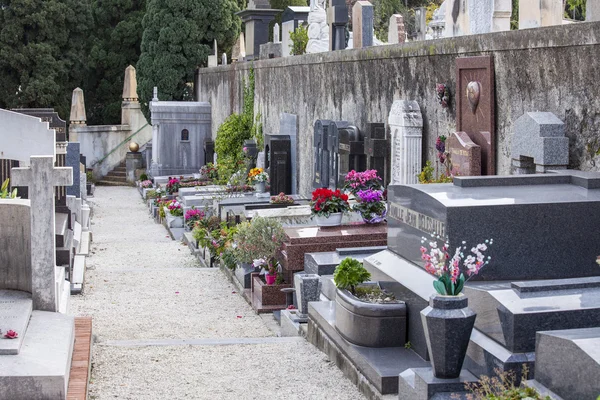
point(41, 177)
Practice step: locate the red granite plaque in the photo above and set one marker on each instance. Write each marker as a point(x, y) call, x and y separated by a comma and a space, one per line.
point(475, 106)
point(465, 155)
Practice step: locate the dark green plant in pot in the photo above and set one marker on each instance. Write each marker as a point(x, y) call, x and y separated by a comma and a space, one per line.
point(349, 274)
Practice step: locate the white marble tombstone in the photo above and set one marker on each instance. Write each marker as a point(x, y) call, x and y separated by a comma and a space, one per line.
point(406, 127)
point(538, 13)
point(276, 33)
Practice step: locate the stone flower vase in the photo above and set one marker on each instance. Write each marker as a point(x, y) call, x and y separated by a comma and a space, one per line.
point(334, 219)
point(448, 323)
point(260, 187)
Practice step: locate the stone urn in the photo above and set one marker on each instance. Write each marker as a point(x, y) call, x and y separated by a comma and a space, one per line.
point(448, 324)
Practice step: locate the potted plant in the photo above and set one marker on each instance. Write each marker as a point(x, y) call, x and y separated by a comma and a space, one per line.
point(365, 314)
point(282, 199)
point(192, 216)
point(357, 181)
point(370, 205)
point(447, 321)
point(174, 214)
point(328, 206)
point(172, 186)
point(259, 178)
point(270, 268)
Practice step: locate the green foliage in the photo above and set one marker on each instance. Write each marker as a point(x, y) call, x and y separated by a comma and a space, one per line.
point(229, 142)
point(143, 177)
point(349, 274)
point(514, 18)
point(384, 9)
point(575, 9)
point(502, 387)
point(43, 50)
point(4, 191)
point(299, 39)
point(260, 238)
point(446, 287)
point(427, 175)
point(115, 44)
point(178, 37)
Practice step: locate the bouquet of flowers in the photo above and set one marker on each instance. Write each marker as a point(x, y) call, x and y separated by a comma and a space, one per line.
point(257, 175)
point(173, 185)
point(282, 198)
point(325, 201)
point(192, 216)
point(356, 181)
point(147, 184)
point(370, 205)
point(209, 171)
point(175, 208)
point(451, 279)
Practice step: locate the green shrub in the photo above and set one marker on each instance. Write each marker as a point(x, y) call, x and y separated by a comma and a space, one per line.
point(143, 177)
point(299, 39)
point(5, 193)
point(503, 387)
point(260, 238)
point(230, 137)
point(349, 274)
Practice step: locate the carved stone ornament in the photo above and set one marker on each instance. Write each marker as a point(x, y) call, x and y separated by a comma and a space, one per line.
point(473, 94)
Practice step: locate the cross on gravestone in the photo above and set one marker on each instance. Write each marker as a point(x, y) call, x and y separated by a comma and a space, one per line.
point(41, 178)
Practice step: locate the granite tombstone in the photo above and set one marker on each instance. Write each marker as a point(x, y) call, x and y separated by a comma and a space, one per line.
point(377, 150)
point(465, 156)
point(321, 153)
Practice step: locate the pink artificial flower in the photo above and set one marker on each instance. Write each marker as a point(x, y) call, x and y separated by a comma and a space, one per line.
point(11, 335)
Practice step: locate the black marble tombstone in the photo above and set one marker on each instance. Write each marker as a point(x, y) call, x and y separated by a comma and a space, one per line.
point(278, 161)
point(321, 166)
point(351, 151)
point(377, 150)
point(51, 117)
point(209, 151)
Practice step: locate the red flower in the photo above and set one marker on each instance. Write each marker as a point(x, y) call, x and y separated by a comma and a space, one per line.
point(11, 335)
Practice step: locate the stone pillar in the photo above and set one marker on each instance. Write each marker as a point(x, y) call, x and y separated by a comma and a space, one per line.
point(396, 32)
point(77, 117)
point(130, 98)
point(41, 178)
point(133, 162)
point(538, 13)
point(276, 38)
point(224, 59)
point(421, 22)
point(362, 24)
point(213, 60)
point(337, 18)
point(406, 126)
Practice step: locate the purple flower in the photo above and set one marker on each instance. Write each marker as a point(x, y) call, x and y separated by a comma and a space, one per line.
point(370, 196)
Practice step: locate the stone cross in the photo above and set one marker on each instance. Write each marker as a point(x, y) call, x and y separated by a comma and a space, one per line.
point(276, 33)
point(41, 178)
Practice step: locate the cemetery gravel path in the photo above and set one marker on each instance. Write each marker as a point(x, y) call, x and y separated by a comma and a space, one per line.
point(164, 328)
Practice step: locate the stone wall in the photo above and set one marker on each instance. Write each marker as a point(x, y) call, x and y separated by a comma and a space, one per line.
point(547, 69)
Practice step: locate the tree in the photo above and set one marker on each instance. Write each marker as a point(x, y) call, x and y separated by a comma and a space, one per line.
point(43, 47)
point(178, 37)
point(114, 46)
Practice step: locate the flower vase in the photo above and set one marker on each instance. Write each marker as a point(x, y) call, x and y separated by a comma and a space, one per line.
point(374, 218)
point(333, 219)
point(270, 279)
point(260, 187)
point(448, 323)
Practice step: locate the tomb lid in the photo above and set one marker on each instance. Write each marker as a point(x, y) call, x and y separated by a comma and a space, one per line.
point(15, 311)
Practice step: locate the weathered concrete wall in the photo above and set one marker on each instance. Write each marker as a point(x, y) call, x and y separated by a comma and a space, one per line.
point(548, 69)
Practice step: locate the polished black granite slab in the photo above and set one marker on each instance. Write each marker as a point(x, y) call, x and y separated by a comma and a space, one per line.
point(543, 226)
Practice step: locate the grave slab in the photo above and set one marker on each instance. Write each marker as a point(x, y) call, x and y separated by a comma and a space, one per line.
point(325, 263)
point(15, 311)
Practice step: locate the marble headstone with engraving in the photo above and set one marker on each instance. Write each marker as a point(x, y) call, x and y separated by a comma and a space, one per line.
point(406, 126)
point(465, 156)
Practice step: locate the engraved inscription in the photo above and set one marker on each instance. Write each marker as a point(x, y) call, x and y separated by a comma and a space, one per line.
point(422, 222)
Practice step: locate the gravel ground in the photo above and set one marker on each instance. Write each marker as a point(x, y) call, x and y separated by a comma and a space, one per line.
point(142, 285)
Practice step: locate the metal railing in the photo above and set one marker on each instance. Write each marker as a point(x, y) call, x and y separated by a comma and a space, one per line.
point(100, 161)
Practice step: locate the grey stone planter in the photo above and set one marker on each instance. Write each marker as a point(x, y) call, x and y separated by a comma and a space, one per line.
point(448, 324)
point(369, 324)
point(243, 273)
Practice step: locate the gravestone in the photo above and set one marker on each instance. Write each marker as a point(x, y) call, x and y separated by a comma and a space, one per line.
point(235, 51)
point(351, 151)
point(337, 19)
point(278, 161)
point(475, 106)
point(224, 59)
point(396, 32)
point(270, 50)
point(321, 151)
point(213, 58)
point(41, 178)
point(15, 242)
point(592, 11)
point(538, 13)
point(377, 150)
point(471, 17)
point(209, 151)
point(539, 143)
point(465, 156)
point(291, 19)
point(51, 117)
point(256, 19)
point(276, 38)
point(406, 128)
point(73, 161)
point(362, 24)
point(77, 115)
point(333, 147)
point(318, 28)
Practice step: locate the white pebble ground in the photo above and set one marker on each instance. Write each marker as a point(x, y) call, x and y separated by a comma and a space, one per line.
point(141, 285)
